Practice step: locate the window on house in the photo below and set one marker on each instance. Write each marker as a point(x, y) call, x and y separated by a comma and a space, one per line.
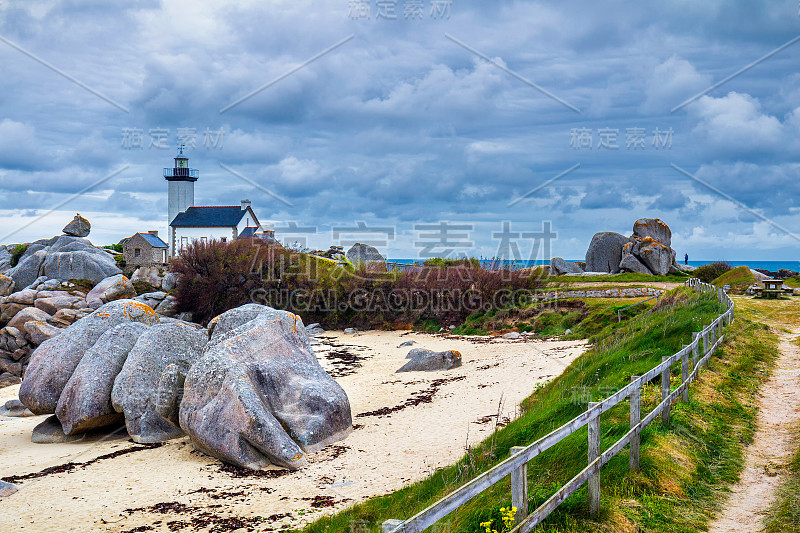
point(184, 242)
point(137, 252)
point(224, 239)
point(204, 240)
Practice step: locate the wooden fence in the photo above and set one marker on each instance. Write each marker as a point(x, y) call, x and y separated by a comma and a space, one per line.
point(702, 347)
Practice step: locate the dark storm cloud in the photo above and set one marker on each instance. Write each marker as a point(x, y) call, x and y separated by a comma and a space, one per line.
point(401, 124)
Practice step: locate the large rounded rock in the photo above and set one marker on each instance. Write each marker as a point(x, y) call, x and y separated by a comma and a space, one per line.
point(230, 320)
point(94, 266)
point(86, 400)
point(110, 289)
point(69, 243)
point(428, 360)
point(54, 361)
point(655, 228)
point(79, 227)
point(630, 263)
point(364, 254)
point(28, 269)
point(136, 390)
point(26, 315)
point(605, 252)
point(259, 397)
point(54, 304)
point(24, 297)
point(654, 255)
point(559, 267)
point(39, 331)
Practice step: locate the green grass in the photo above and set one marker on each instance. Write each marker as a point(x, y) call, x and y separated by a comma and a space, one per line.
point(792, 282)
point(740, 278)
point(584, 318)
point(17, 253)
point(684, 469)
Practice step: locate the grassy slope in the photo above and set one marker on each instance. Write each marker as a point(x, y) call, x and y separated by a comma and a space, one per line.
point(740, 278)
point(684, 469)
point(586, 318)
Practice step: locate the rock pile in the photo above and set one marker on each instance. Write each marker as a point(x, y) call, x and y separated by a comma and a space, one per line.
point(647, 251)
point(63, 257)
point(32, 316)
point(43, 309)
point(248, 390)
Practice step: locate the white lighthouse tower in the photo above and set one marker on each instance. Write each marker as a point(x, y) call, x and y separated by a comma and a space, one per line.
point(181, 180)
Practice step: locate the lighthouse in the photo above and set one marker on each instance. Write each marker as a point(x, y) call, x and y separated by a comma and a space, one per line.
point(181, 180)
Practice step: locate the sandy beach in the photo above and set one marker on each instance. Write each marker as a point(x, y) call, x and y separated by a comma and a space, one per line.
point(405, 426)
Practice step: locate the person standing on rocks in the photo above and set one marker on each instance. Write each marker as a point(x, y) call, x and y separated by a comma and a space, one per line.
point(685, 259)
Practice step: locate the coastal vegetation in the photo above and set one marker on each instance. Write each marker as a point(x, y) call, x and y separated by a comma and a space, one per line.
point(739, 279)
point(217, 276)
point(686, 469)
point(708, 273)
point(17, 253)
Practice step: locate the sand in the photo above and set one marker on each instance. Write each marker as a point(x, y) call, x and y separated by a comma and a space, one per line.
point(406, 426)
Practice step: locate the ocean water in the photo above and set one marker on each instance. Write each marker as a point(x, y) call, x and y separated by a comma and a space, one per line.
point(772, 266)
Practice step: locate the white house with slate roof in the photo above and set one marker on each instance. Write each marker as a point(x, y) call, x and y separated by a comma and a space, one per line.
point(190, 223)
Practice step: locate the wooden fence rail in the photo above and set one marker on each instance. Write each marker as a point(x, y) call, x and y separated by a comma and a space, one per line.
point(708, 340)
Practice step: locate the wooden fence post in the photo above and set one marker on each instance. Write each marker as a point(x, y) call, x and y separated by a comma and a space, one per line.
point(695, 349)
point(594, 453)
point(685, 372)
point(664, 393)
point(636, 403)
point(519, 488)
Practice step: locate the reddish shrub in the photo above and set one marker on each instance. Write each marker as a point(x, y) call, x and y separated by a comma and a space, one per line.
point(215, 277)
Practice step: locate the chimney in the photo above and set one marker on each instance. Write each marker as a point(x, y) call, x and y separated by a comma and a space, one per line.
point(153, 232)
point(245, 204)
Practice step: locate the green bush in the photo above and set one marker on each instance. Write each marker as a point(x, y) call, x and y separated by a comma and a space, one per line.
point(710, 272)
point(143, 287)
point(17, 253)
point(447, 262)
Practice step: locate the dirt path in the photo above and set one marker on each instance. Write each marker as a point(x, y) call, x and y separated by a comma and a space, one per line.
point(772, 447)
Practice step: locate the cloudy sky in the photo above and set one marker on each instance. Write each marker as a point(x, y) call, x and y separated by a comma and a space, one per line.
point(402, 114)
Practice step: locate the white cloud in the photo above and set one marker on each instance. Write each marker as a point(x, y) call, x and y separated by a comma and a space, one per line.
point(736, 123)
point(671, 82)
